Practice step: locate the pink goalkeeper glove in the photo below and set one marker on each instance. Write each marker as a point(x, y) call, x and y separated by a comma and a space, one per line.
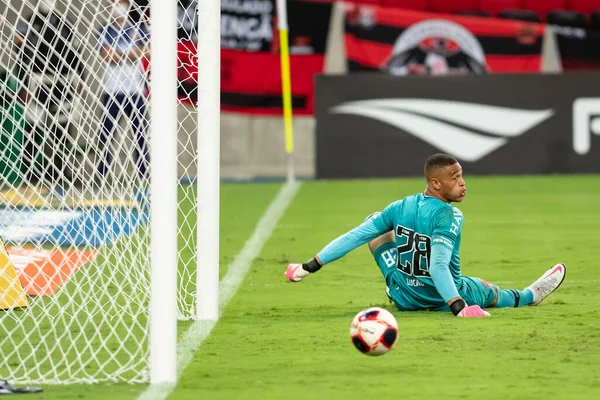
point(472, 311)
point(295, 272)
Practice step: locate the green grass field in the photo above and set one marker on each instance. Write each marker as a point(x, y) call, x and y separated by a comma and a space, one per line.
point(281, 340)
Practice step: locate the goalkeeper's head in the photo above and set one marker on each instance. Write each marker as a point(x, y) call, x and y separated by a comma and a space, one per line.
point(444, 178)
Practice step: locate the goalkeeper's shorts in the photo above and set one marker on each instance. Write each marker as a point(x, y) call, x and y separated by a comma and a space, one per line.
point(411, 293)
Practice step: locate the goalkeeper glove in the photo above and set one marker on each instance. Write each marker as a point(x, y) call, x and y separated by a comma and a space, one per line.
point(462, 309)
point(297, 272)
point(473, 311)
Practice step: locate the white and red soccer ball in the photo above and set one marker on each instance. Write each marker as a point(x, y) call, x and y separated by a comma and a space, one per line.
point(374, 331)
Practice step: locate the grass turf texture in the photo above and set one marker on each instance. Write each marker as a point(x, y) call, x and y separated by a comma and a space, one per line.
point(237, 220)
point(282, 340)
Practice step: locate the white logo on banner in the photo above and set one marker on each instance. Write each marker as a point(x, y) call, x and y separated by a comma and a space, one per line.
point(20, 225)
point(456, 128)
point(245, 24)
point(21, 258)
point(586, 121)
point(429, 45)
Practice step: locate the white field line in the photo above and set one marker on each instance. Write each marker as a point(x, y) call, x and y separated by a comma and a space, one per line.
point(195, 335)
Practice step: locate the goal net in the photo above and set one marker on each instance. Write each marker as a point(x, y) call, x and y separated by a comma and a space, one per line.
point(74, 188)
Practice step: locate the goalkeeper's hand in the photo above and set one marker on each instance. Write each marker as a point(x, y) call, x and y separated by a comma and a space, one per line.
point(461, 309)
point(472, 312)
point(297, 272)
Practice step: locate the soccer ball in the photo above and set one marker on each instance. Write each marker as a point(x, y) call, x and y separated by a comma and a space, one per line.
point(374, 331)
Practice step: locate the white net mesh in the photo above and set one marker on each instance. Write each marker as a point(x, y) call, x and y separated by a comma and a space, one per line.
point(73, 189)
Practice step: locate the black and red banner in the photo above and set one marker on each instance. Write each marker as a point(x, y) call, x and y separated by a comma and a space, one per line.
point(407, 42)
point(579, 48)
point(250, 56)
point(495, 124)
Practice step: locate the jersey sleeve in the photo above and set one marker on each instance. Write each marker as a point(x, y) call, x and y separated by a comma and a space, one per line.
point(387, 216)
point(368, 230)
point(447, 227)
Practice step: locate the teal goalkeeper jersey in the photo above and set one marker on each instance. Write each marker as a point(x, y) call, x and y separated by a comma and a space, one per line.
point(428, 234)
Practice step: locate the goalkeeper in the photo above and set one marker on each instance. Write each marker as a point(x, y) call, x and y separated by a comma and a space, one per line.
point(416, 240)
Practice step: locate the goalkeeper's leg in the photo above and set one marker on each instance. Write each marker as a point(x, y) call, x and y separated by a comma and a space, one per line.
point(477, 291)
point(384, 252)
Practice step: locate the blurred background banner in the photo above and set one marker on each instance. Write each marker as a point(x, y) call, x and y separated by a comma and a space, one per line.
point(408, 42)
point(250, 69)
point(250, 65)
point(372, 125)
point(578, 47)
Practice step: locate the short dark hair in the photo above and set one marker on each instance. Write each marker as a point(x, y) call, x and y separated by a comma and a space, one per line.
point(439, 160)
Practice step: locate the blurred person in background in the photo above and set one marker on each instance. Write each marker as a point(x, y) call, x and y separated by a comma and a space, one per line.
point(49, 68)
point(123, 43)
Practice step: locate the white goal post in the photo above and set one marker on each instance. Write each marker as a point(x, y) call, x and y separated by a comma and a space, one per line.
point(163, 192)
point(209, 96)
point(103, 152)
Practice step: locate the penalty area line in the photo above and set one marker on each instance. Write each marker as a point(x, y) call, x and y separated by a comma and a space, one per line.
point(195, 335)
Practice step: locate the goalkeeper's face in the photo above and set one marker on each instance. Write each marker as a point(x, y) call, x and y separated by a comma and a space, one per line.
point(452, 185)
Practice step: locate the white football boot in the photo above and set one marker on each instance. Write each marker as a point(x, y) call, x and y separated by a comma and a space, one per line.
point(547, 283)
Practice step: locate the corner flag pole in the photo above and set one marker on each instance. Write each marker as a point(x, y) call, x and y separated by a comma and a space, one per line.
point(286, 86)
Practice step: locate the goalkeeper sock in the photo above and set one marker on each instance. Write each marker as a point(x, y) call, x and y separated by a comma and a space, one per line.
point(514, 298)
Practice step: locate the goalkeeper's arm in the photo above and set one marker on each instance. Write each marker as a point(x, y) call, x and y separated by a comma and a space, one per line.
point(444, 283)
point(440, 271)
point(339, 247)
point(448, 225)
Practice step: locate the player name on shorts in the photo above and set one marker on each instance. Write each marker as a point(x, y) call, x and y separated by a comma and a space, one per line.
point(414, 282)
